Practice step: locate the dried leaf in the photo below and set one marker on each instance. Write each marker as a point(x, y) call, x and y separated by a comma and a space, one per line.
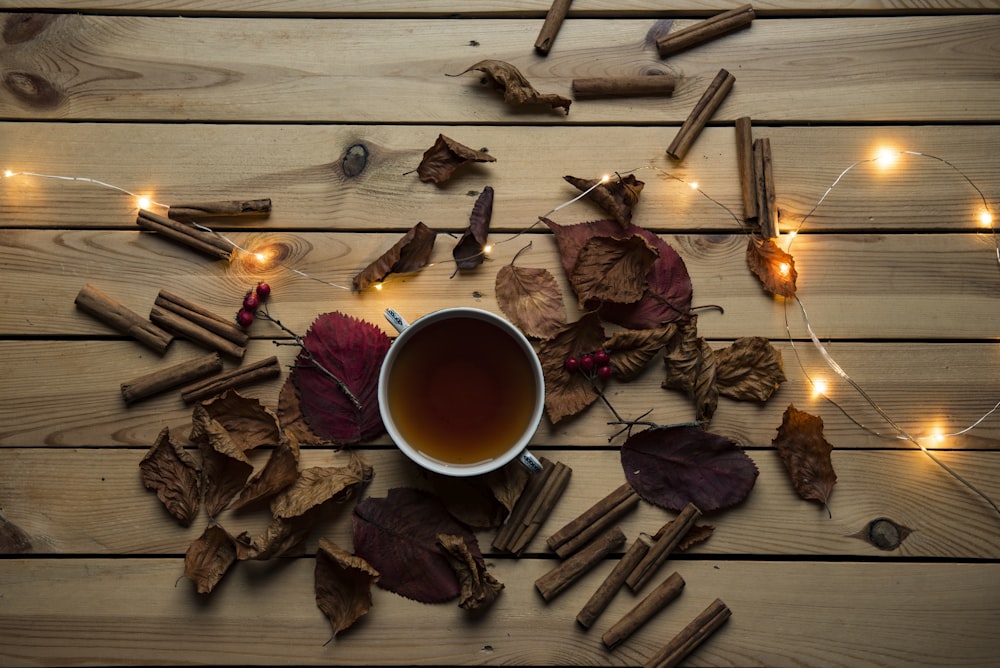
point(515, 87)
point(806, 455)
point(470, 500)
point(398, 536)
point(173, 474)
point(673, 466)
point(293, 422)
point(632, 349)
point(468, 252)
point(279, 539)
point(410, 253)
point(209, 557)
point(612, 269)
point(691, 368)
point(508, 483)
point(774, 267)
point(320, 484)
point(572, 238)
point(531, 299)
point(343, 585)
point(280, 471)
point(446, 155)
point(567, 393)
point(478, 587)
point(13, 540)
point(352, 350)
point(698, 533)
point(616, 197)
point(749, 370)
point(225, 467)
point(247, 421)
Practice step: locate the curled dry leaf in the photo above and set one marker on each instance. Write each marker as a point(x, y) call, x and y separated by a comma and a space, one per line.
point(515, 87)
point(468, 252)
point(293, 422)
point(632, 349)
point(531, 299)
point(280, 538)
point(409, 254)
point(209, 557)
point(13, 540)
point(806, 455)
point(774, 267)
point(280, 471)
point(247, 421)
point(446, 155)
point(698, 533)
point(691, 368)
point(343, 585)
point(566, 392)
point(225, 466)
point(173, 474)
point(320, 484)
point(398, 536)
point(749, 370)
point(616, 197)
point(352, 350)
point(612, 269)
point(673, 466)
point(478, 587)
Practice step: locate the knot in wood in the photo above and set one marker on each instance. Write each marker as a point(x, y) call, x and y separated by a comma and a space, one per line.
point(33, 90)
point(885, 534)
point(355, 160)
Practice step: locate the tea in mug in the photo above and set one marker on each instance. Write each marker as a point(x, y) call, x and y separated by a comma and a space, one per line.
point(461, 391)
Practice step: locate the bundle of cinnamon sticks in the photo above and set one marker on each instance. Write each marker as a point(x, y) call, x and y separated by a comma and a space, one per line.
point(760, 207)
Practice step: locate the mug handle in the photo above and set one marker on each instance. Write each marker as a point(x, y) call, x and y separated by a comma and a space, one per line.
point(396, 320)
point(530, 462)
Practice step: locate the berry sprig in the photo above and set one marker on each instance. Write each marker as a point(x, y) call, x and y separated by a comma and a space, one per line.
point(595, 364)
point(251, 301)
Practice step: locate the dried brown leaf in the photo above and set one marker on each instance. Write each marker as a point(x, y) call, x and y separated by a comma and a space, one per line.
point(698, 533)
point(806, 455)
point(774, 267)
point(468, 252)
point(567, 393)
point(173, 474)
point(248, 422)
point(446, 155)
point(691, 368)
point(470, 500)
point(209, 558)
point(343, 585)
point(317, 485)
point(280, 471)
point(479, 587)
point(749, 370)
point(515, 87)
point(632, 349)
point(279, 539)
point(531, 299)
point(508, 483)
point(616, 197)
point(293, 421)
point(225, 467)
point(409, 254)
point(611, 269)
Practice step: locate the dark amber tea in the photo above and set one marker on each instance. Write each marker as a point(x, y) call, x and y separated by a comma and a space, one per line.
point(461, 391)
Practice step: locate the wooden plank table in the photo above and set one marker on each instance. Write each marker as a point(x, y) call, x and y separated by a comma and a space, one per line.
point(326, 107)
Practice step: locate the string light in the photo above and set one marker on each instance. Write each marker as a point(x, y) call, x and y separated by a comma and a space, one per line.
point(819, 388)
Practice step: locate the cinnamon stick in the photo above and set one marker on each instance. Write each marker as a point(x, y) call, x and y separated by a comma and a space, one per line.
point(600, 599)
point(567, 572)
point(643, 611)
point(184, 233)
point(693, 635)
point(710, 100)
point(628, 86)
point(234, 207)
point(767, 204)
point(195, 333)
point(550, 28)
point(229, 380)
point(213, 322)
point(519, 514)
point(122, 319)
point(672, 533)
point(173, 376)
point(745, 162)
point(603, 514)
point(541, 507)
point(705, 31)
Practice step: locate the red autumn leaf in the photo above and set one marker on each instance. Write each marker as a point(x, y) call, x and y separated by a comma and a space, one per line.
point(352, 351)
point(774, 267)
point(293, 422)
point(398, 536)
point(343, 584)
point(471, 500)
point(172, 473)
point(572, 238)
point(616, 197)
point(446, 155)
point(409, 254)
point(806, 455)
point(209, 558)
point(478, 587)
point(468, 252)
point(611, 269)
point(673, 466)
point(569, 392)
point(515, 87)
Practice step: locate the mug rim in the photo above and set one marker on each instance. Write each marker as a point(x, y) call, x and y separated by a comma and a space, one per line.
point(436, 465)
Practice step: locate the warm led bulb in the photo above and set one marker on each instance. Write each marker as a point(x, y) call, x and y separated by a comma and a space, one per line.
point(985, 218)
point(819, 387)
point(694, 185)
point(487, 249)
point(378, 286)
point(784, 268)
point(886, 157)
point(260, 257)
point(144, 202)
point(605, 178)
point(8, 173)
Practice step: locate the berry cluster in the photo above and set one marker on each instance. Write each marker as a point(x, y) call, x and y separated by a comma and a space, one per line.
point(253, 298)
point(597, 363)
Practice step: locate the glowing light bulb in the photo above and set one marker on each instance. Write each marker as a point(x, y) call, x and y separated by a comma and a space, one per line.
point(144, 202)
point(487, 249)
point(605, 178)
point(784, 268)
point(886, 157)
point(985, 218)
point(819, 387)
point(8, 173)
point(791, 235)
point(260, 257)
point(694, 185)
point(378, 286)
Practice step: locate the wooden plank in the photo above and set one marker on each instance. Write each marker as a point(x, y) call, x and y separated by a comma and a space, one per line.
point(301, 168)
point(91, 501)
point(83, 67)
point(130, 611)
point(857, 286)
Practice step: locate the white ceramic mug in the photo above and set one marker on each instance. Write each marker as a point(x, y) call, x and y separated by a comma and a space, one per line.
point(441, 380)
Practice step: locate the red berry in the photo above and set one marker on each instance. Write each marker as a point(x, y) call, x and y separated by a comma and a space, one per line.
point(602, 357)
point(572, 363)
point(604, 372)
point(251, 302)
point(587, 362)
point(244, 317)
point(263, 290)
